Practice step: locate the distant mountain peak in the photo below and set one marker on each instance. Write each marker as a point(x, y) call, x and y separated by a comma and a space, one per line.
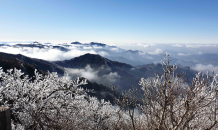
point(98, 44)
point(94, 60)
point(91, 43)
point(134, 51)
point(93, 55)
point(48, 43)
point(35, 42)
point(76, 43)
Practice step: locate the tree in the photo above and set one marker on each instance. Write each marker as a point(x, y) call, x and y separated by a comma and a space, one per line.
point(168, 102)
point(51, 102)
point(172, 103)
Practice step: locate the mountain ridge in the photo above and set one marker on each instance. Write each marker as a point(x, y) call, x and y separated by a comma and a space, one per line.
point(123, 75)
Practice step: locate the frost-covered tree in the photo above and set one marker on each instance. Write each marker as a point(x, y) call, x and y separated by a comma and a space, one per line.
point(52, 102)
point(172, 103)
point(39, 103)
point(167, 102)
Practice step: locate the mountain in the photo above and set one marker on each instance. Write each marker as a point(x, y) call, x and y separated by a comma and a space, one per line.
point(150, 70)
point(133, 51)
point(39, 64)
point(100, 91)
point(31, 45)
point(97, 44)
point(128, 75)
point(124, 60)
point(76, 43)
point(90, 44)
point(94, 67)
point(9, 62)
point(104, 67)
point(28, 66)
point(206, 58)
point(38, 45)
point(66, 51)
point(95, 61)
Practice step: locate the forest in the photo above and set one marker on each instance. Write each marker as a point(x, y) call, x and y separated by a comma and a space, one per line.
point(164, 102)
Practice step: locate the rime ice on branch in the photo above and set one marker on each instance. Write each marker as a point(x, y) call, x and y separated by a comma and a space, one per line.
point(168, 102)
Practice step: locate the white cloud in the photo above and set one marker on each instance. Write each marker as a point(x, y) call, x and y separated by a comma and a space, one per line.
point(143, 54)
point(102, 53)
point(156, 52)
point(205, 68)
point(49, 54)
point(149, 45)
point(200, 53)
point(200, 45)
point(178, 45)
point(87, 72)
point(181, 54)
point(87, 47)
point(97, 47)
point(149, 57)
point(92, 74)
point(147, 54)
point(114, 49)
point(112, 77)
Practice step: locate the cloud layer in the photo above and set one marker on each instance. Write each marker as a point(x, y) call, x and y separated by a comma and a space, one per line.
point(50, 54)
point(93, 75)
point(134, 54)
point(205, 68)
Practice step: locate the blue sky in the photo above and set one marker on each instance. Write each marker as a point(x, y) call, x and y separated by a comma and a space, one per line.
point(109, 21)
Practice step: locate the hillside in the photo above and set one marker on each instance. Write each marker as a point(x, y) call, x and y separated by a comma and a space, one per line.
point(102, 70)
point(28, 66)
point(129, 75)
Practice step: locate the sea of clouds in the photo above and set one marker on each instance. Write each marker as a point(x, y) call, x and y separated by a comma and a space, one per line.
point(193, 55)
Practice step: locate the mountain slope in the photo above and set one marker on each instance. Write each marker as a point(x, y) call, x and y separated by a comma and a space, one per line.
point(10, 63)
point(99, 91)
point(95, 61)
point(103, 71)
point(28, 66)
point(38, 63)
point(104, 67)
point(129, 75)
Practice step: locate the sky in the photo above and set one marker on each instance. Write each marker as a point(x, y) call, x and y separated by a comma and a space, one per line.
point(109, 21)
